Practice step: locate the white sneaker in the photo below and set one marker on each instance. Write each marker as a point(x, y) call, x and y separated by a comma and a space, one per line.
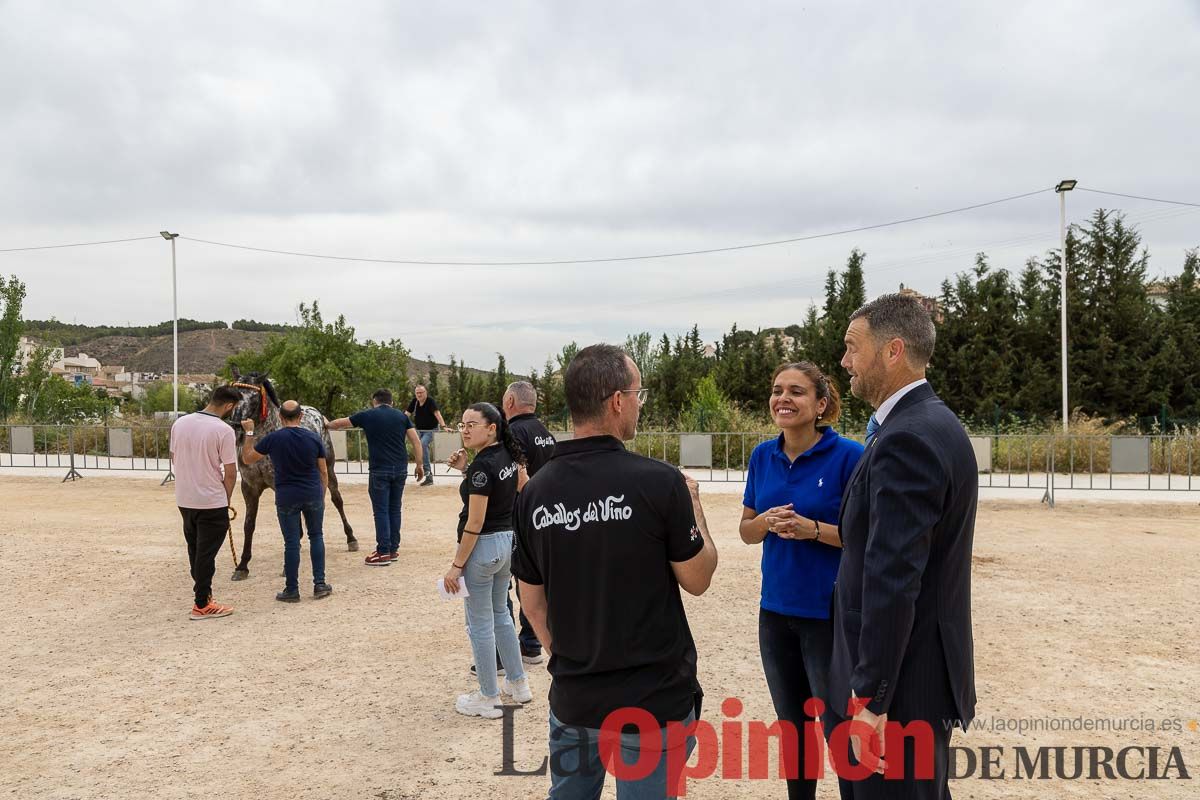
point(476, 705)
point(518, 690)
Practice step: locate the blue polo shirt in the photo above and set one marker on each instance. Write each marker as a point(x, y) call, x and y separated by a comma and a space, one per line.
point(386, 429)
point(797, 575)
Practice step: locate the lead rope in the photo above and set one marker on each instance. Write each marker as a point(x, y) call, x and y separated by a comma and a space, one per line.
point(229, 529)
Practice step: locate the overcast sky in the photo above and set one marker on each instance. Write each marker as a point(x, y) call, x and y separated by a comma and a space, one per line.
point(547, 131)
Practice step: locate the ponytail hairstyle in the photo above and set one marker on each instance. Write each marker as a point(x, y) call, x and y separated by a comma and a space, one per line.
point(503, 433)
point(826, 390)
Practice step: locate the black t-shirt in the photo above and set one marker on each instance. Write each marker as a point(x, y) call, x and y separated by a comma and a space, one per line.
point(599, 529)
point(423, 415)
point(535, 440)
point(492, 473)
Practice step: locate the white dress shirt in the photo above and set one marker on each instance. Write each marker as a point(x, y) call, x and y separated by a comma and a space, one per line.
point(886, 406)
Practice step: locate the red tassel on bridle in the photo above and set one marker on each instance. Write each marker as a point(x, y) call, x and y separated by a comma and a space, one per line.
point(262, 394)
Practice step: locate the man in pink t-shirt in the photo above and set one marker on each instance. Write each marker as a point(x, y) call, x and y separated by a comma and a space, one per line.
point(204, 459)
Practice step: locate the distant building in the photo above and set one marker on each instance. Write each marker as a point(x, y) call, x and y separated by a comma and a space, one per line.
point(1157, 291)
point(82, 364)
point(930, 303)
point(26, 347)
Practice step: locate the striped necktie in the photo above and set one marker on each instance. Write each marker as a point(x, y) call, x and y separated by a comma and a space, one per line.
point(872, 429)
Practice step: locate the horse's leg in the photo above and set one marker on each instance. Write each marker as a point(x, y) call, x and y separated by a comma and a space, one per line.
point(336, 495)
point(250, 496)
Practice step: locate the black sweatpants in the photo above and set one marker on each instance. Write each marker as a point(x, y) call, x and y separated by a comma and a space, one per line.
point(204, 529)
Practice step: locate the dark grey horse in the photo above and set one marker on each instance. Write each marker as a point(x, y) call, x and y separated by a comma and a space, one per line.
point(261, 404)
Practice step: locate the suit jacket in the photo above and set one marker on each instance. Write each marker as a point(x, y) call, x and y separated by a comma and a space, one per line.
point(902, 601)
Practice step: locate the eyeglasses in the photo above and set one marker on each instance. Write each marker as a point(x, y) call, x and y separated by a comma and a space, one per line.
point(466, 426)
point(641, 394)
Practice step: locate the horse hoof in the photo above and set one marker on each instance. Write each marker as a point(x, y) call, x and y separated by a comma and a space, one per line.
point(240, 574)
point(352, 546)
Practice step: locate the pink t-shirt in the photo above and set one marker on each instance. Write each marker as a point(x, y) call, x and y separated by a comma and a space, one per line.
point(201, 444)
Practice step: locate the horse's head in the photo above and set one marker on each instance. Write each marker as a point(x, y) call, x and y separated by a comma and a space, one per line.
point(258, 395)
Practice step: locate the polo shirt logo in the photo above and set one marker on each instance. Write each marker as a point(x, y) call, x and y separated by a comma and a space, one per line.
point(544, 518)
point(820, 482)
point(607, 510)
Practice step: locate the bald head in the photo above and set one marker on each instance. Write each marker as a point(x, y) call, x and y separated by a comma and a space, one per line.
point(291, 412)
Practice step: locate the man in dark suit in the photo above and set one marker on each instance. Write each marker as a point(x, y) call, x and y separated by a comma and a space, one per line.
point(902, 654)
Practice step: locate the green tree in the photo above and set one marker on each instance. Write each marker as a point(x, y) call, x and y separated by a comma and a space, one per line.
point(322, 364)
point(433, 380)
point(1177, 366)
point(160, 396)
point(12, 295)
point(975, 362)
point(498, 382)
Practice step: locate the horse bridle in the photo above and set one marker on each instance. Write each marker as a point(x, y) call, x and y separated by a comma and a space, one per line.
point(262, 394)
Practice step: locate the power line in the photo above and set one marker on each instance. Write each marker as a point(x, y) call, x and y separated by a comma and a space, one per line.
point(805, 283)
point(1139, 197)
point(565, 262)
point(75, 244)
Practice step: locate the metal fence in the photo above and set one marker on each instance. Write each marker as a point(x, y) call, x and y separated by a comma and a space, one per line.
point(1016, 461)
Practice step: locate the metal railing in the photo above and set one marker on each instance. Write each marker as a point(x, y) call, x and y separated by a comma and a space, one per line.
point(1015, 461)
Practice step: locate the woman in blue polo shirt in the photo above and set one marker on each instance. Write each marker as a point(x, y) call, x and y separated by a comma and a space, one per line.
point(793, 493)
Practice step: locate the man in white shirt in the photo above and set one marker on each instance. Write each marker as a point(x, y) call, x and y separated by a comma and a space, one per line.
point(204, 460)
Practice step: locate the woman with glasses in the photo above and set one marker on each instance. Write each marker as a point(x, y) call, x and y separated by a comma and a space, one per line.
point(485, 542)
point(793, 494)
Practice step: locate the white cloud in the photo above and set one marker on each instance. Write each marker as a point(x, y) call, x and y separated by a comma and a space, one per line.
point(543, 131)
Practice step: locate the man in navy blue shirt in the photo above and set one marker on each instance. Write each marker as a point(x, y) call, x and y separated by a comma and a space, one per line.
point(298, 461)
point(387, 430)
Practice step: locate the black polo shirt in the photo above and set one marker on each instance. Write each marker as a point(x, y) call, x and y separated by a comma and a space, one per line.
point(493, 474)
point(535, 440)
point(599, 529)
point(423, 415)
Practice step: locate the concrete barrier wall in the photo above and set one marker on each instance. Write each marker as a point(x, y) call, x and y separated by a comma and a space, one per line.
point(695, 450)
point(120, 442)
point(982, 445)
point(340, 451)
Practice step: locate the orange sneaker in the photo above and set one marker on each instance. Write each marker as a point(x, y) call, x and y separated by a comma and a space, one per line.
point(210, 611)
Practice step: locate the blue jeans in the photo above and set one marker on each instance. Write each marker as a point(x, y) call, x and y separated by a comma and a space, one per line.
point(570, 780)
point(289, 522)
point(489, 626)
point(386, 488)
point(426, 442)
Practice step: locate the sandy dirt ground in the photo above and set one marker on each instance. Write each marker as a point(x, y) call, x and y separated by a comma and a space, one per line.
point(109, 691)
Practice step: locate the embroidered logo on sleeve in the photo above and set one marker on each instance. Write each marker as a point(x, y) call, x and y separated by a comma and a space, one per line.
point(694, 533)
point(479, 480)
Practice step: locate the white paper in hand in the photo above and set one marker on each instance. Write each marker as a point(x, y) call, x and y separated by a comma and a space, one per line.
point(462, 589)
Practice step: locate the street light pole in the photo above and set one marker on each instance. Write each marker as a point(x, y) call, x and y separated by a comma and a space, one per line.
point(175, 327)
point(175, 343)
point(1062, 188)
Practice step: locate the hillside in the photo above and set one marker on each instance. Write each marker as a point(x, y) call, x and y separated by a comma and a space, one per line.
point(200, 352)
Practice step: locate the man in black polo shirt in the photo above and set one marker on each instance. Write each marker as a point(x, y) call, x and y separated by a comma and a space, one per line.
point(519, 405)
point(604, 539)
point(427, 419)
